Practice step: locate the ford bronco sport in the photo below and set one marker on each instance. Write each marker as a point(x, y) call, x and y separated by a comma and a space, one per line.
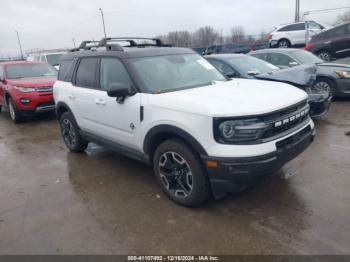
point(170, 108)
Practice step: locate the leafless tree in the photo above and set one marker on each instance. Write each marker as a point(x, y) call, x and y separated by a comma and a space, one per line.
point(179, 38)
point(237, 35)
point(205, 37)
point(342, 18)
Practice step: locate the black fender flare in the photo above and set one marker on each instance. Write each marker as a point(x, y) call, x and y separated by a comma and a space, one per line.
point(162, 131)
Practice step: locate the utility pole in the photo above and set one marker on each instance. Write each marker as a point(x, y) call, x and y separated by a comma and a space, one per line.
point(297, 11)
point(103, 22)
point(20, 45)
point(74, 43)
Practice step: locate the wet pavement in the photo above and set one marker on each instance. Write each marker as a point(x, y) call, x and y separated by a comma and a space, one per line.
point(56, 202)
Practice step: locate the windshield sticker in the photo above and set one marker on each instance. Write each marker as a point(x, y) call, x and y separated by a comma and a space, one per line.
point(205, 64)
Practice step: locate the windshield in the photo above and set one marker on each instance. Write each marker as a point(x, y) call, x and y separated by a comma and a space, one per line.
point(175, 72)
point(54, 59)
point(251, 65)
point(29, 70)
point(305, 57)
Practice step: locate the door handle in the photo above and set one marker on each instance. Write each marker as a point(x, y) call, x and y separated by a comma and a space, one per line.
point(71, 96)
point(327, 42)
point(100, 102)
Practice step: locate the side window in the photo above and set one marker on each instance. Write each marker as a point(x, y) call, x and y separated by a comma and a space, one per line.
point(223, 68)
point(338, 31)
point(313, 25)
point(66, 70)
point(279, 59)
point(86, 73)
point(262, 56)
point(294, 27)
point(112, 71)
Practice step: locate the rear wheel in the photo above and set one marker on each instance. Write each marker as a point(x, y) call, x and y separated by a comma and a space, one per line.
point(180, 173)
point(70, 133)
point(283, 43)
point(325, 55)
point(14, 113)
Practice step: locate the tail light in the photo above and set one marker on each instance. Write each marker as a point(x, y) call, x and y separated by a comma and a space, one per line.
point(270, 36)
point(308, 46)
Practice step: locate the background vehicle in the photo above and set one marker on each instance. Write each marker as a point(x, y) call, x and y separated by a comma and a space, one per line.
point(329, 76)
point(47, 56)
point(332, 43)
point(26, 88)
point(170, 108)
point(245, 66)
point(293, 34)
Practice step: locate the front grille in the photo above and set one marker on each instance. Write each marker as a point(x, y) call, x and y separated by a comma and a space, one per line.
point(285, 120)
point(43, 104)
point(46, 89)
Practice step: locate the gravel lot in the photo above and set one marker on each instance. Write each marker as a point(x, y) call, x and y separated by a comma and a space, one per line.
point(56, 202)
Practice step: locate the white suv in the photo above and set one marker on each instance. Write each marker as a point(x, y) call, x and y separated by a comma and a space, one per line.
point(171, 109)
point(294, 34)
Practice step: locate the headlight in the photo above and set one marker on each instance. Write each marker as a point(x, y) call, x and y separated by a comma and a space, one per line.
point(25, 89)
point(343, 74)
point(239, 131)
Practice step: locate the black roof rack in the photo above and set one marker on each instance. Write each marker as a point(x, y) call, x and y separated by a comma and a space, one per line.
point(111, 43)
point(86, 45)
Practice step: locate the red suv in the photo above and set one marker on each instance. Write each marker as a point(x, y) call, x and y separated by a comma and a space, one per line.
point(26, 88)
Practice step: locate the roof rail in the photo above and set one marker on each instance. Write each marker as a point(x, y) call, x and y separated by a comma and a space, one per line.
point(132, 42)
point(86, 45)
point(110, 43)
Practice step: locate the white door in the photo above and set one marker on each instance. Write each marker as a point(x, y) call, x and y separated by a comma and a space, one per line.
point(297, 34)
point(117, 122)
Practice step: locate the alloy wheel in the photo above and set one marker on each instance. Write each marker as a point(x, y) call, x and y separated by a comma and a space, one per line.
point(68, 133)
point(325, 56)
point(283, 44)
point(175, 174)
point(321, 87)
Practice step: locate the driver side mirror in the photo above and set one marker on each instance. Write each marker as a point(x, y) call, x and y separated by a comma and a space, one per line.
point(119, 91)
point(291, 64)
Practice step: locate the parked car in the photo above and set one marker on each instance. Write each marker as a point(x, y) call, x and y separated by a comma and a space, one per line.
point(47, 56)
point(294, 34)
point(245, 66)
point(26, 88)
point(332, 43)
point(171, 109)
point(329, 76)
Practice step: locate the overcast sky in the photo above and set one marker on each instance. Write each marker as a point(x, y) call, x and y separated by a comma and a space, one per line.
point(54, 23)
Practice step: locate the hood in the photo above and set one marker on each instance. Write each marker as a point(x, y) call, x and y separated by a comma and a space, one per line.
point(239, 97)
point(32, 82)
point(302, 75)
point(339, 66)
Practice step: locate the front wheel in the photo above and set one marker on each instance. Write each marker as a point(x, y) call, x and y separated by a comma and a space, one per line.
point(180, 173)
point(70, 133)
point(14, 113)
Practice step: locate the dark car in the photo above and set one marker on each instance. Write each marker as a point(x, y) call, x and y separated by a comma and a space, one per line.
point(329, 76)
point(332, 43)
point(244, 66)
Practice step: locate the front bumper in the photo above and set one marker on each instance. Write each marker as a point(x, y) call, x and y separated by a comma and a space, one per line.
point(319, 106)
point(232, 175)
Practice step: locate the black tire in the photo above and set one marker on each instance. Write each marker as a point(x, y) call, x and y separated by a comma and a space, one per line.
point(325, 55)
point(325, 83)
point(15, 115)
point(0, 108)
point(186, 184)
point(70, 134)
point(283, 43)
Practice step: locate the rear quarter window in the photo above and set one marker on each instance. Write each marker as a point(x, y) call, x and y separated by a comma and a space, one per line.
point(66, 70)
